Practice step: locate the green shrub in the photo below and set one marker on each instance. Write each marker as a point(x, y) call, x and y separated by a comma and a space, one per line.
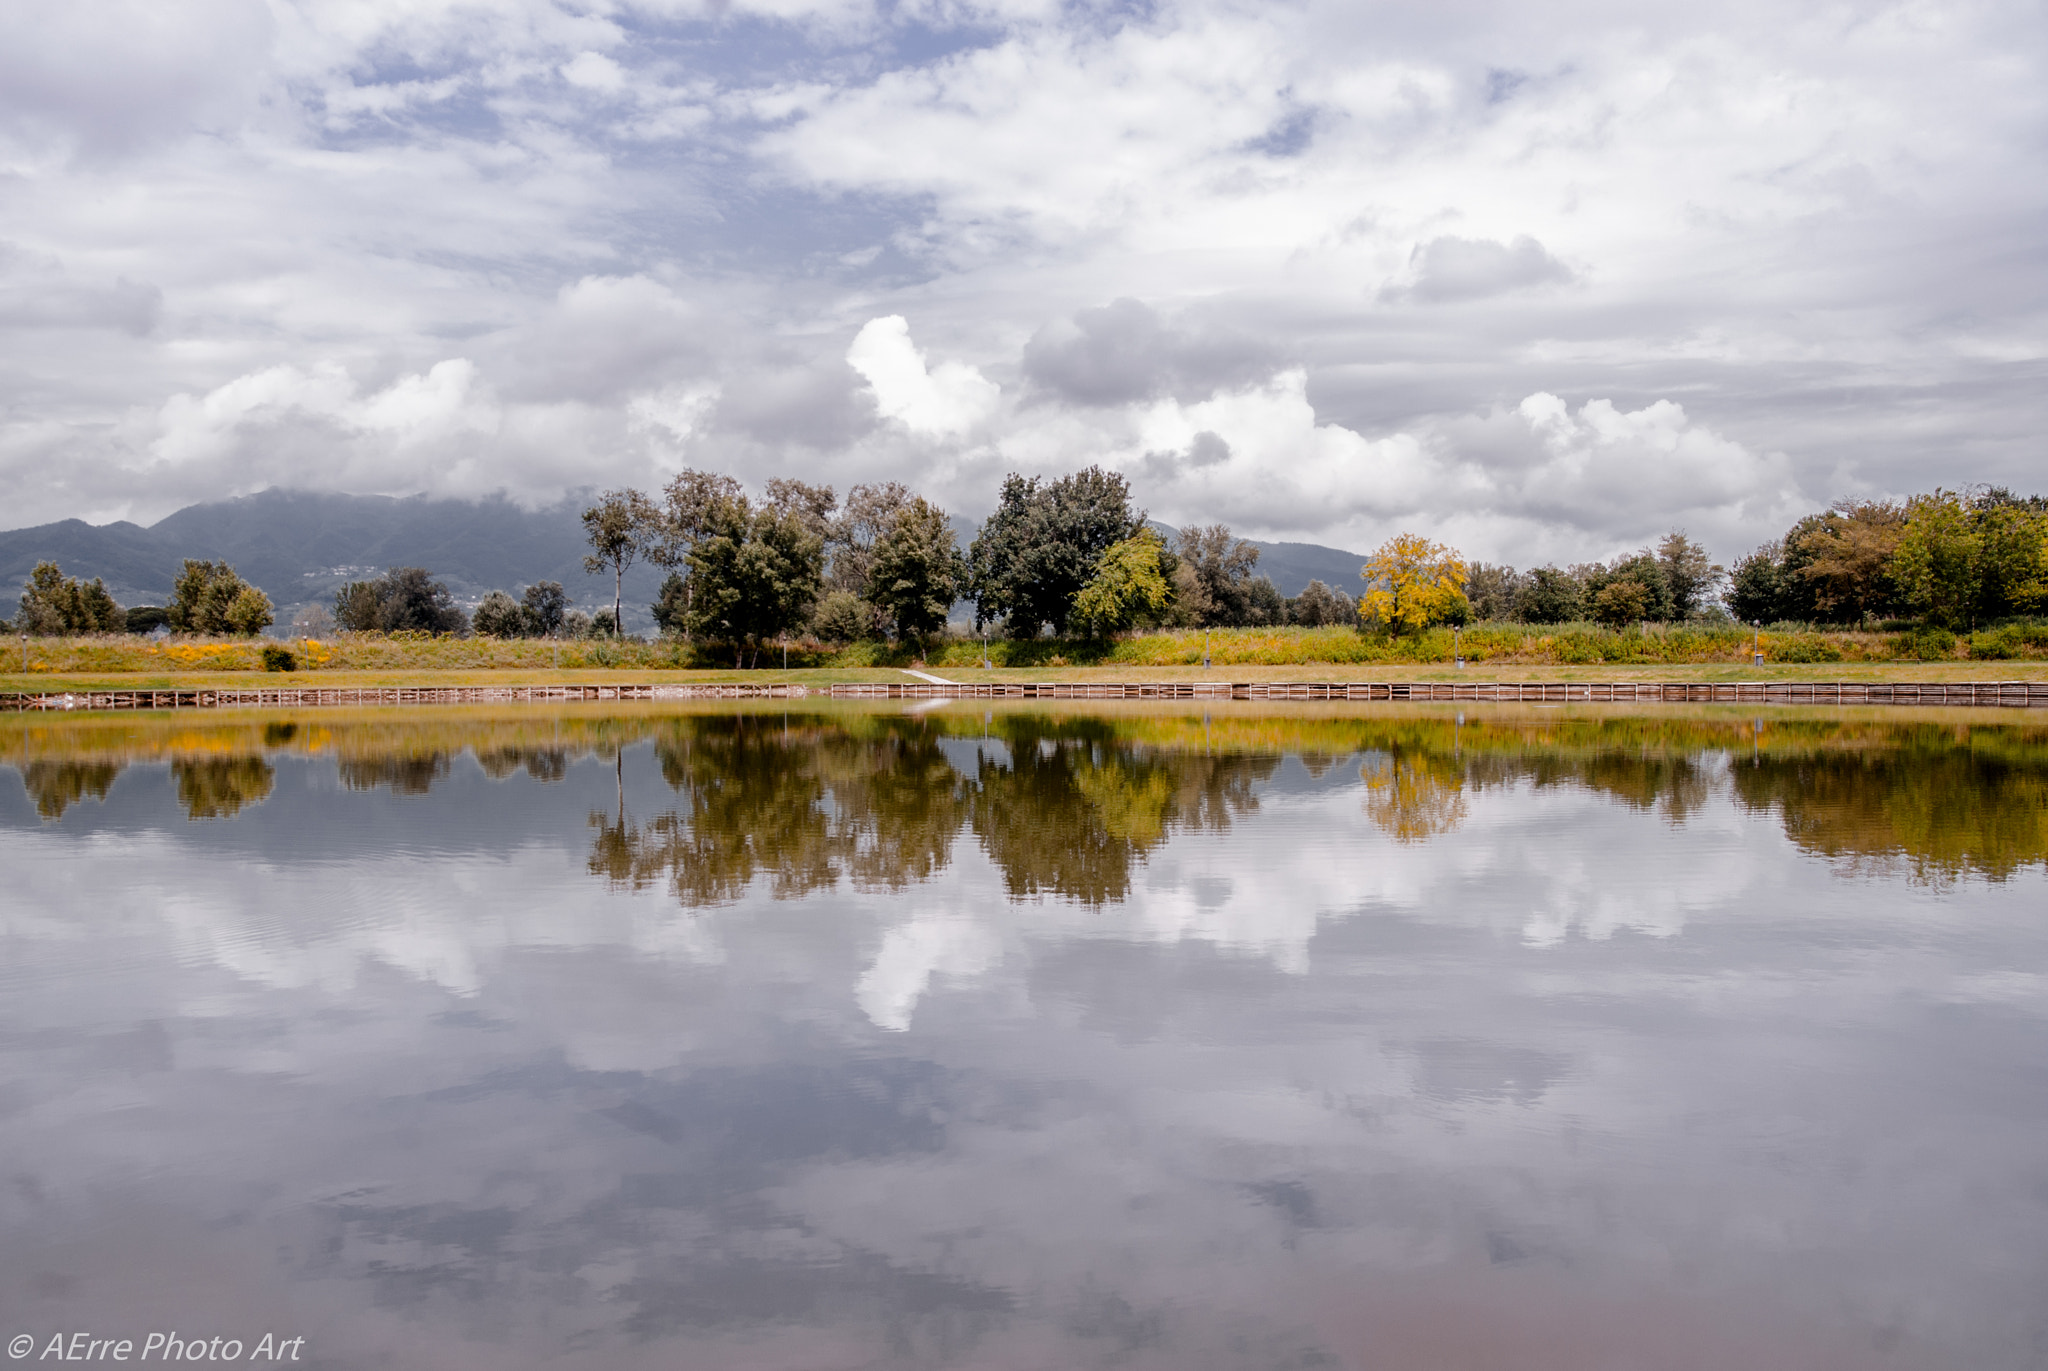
point(1926, 645)
point(277, 657)
point(1804, 647)
point(2010, 641)
point(1577, 648)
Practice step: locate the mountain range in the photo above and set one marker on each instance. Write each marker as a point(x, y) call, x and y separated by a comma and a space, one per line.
point(301, 546)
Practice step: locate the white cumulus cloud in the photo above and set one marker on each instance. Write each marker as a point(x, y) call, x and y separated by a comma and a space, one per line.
point(949, 398)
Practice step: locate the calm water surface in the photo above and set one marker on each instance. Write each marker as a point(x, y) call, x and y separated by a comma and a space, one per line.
point(1387, 1039)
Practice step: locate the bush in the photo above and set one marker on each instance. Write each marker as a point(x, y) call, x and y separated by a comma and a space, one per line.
point(1621, 601)
point(499, 616)
point(842, 617)
point(277, 657)
point(2013, 640)
point(1577, 648)
point(1804, 647)
point(1926, 645)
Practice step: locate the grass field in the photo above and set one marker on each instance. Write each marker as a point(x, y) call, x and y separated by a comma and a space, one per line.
point(1493, 652)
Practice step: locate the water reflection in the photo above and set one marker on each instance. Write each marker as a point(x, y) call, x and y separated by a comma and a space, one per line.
point(219, 787)
point(56, 786)
point(1069, 805)
point(1030, 1038)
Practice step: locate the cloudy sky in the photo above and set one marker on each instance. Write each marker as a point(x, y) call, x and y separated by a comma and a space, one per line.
point(1541, 280)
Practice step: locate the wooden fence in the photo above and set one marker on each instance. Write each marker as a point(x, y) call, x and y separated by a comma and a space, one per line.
point(289, 698)
point(2010, 694)
point(2019, 694)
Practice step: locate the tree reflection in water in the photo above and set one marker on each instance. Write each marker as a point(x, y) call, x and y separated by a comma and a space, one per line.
point(1078, 804)
point(1412, 795)
point(56, 786)
point(218, 787)
point(1067, 812)
point(1068, 804)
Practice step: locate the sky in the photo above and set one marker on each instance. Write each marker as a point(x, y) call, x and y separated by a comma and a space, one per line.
point(1543, 282)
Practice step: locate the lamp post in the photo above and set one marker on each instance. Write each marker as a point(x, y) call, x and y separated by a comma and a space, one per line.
point(1756, 642)
point(1457, 652)
point(24, 654)
point(985, 666)
point(1205, 649)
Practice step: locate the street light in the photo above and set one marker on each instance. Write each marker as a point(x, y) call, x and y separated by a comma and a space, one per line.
point(1756, 642)
point(1205, 649)
point(1457, 653)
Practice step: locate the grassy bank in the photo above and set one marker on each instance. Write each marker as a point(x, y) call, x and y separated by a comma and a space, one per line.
point(1574, 651)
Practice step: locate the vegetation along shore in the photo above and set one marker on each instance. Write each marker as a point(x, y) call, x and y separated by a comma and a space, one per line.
point(1067, 575)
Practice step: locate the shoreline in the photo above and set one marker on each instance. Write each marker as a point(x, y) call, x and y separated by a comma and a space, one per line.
point(1888, 689)
point(1950, 672)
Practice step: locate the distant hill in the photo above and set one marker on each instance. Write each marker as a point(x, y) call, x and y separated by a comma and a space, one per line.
point(1293, 565)
point(301, 546)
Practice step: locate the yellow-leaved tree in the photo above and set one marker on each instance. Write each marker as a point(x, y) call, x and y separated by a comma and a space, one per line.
point(1411, 583)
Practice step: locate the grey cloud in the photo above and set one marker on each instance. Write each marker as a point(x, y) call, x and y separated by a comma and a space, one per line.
point(132, 307)
point(1448, 269)
point(106, 78)
point(1126, 351)
point(817, 404)
point(1206, 449)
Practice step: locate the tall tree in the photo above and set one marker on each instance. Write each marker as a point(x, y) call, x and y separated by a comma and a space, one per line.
point(1959, 562)
point(208, 597)
point(53, 604)
point(403, 599)
point(1847, 556)
point(1129, 586)
point(917, 570)
point(1041, 545)
point(687, 504)
point(1319, 606)
point(1495, 591)
point(544, 604)
point(620, 528)
point(1215, 575)
point(870, 512)
point(1644, 570)
point(1411, 583)
point(1553, 596)
point(1756, 590)
point(814, 505)
point(754, 574)
point(2012, 550)
point(1691, 576)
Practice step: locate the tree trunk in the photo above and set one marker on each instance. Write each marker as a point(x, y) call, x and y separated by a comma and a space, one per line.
point(618, 593)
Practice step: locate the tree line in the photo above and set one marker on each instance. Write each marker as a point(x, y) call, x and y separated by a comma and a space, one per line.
point(1068, 555)
point(1072, 556)
point(1952, 559)
point(208, 598)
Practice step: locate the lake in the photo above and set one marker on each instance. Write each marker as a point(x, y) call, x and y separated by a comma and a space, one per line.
point(1247, 1037)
